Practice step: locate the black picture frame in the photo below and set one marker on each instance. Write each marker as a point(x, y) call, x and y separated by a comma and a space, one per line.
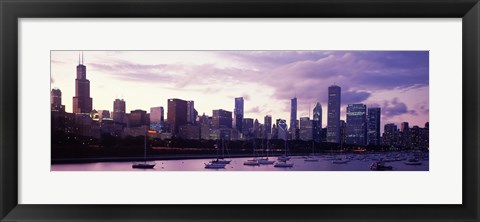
point(11, 11)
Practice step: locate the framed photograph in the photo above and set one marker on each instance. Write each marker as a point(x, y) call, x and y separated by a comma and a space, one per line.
point(229, 111)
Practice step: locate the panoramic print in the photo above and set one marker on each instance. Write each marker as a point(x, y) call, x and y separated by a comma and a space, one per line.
point(226, 111)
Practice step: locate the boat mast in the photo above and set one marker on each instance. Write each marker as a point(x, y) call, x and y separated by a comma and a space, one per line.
point(223, 148)
point(145, 147)
point(218, 149)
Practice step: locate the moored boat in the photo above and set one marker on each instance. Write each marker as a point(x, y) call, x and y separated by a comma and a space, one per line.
point(283, 164)
point(214, 165)
point(413, 162)
point(380, 166)
point(144, 164)
point(251, 163)
point(265, 161)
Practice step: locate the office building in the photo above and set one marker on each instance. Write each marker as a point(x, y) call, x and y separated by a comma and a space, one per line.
point(238, 114)
point(405, 134)
point(119, 109)
point(221, 119)
point(317, 122)
point(82, 103)
point(191, 112)
point(305, 129)
point(56, 100)
point(138, 118)
point(157, 118)
point(282, 129)
point(268, 126)
point(343, 131)
point(293, 118)
point(356, 131)
point(390, 134)
point(248, 127)
point(333, 114)
point(176, 114)
point(373, 126)
point(189, 131)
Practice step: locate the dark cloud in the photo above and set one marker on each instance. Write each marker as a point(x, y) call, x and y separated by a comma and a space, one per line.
point(308, 74)
point(394, 108)
point(351, 97)
point(304, 74)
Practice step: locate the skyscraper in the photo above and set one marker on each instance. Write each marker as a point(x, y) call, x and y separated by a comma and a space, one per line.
point(56, 100)
point(157, 118)
point(282, 129)
point(390, 134)
point(138, 118)
point(118, 114)
point(238, 112)
point(82, 103)
point(268, 126)
point(405, 134)
point(293, 117)
point(191, 116)
point(247, 127)
point(221, 119)
point(373, 126)
point(317, 122)
point(257, 129)
point(333, 118)
point(356, 131)
point(305, 129)
point(176, 114)
point(343, 130)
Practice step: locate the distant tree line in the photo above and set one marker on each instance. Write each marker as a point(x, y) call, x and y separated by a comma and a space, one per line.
point(72, 146)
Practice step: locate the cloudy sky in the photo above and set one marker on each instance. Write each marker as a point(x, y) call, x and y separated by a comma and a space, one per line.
point(395, 81)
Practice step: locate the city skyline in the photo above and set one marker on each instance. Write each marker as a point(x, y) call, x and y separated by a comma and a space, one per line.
point(220, 80)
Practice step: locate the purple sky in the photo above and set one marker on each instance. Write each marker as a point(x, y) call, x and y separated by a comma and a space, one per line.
point(396, 81)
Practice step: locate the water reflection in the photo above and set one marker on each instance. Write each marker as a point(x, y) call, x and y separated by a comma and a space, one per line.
point(356, 162)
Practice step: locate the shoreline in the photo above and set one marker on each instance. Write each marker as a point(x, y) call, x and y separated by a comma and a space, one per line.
point(181, 157)
point(151, 158)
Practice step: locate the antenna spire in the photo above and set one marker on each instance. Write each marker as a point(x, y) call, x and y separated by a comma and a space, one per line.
point(79, 58)
point(82, 58)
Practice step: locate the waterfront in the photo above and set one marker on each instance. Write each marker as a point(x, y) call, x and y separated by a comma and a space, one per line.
point(356, 162)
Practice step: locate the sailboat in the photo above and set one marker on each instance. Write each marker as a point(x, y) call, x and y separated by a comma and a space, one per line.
point(312, 157)
point(282, 161)
point(217, 163)
point(144, 164)
point(284, 157)
point(222, 160)
point(253, 161)
point(265, 160)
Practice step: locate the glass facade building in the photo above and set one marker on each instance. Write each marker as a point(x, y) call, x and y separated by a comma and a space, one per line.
point(333, 118)
point(373, 126)
point(356, 131)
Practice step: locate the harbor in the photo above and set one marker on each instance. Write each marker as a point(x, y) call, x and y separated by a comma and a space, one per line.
point(399, 161)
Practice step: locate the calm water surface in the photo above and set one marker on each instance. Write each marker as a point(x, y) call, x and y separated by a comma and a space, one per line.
point(358, 162)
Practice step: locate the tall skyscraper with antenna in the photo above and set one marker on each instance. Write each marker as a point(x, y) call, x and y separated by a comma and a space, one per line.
point(82, 102)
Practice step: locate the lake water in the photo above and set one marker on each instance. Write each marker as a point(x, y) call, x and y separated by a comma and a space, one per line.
point(357, 162)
